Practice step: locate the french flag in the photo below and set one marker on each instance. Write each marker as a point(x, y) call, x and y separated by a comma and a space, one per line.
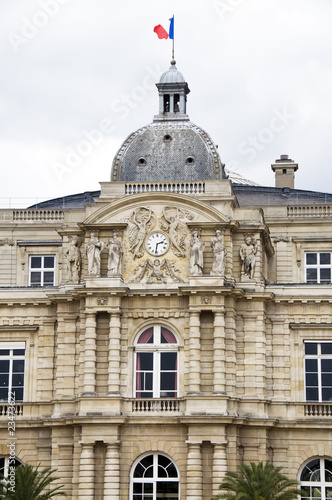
point(162, 33)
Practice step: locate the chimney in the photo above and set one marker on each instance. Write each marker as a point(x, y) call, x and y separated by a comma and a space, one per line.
point(284, 170)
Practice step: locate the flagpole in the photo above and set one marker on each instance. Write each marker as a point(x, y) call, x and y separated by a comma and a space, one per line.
point(173, 40)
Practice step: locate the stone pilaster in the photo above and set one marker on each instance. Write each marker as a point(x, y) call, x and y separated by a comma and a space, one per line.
point(65, 353)
point(194, 472)
point(87, 472)
point(219, 467)
point(255, 354)
point(219, 369)
point(194, 354)
point(90, 348)
point(112, 472)
point(114, 355)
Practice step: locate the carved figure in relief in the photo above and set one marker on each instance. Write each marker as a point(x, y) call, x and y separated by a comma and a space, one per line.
point(115, 255)
point(172, 222)
point(73, 256)
point(219, 254)
point(139, 224)
point(92, 251)
point(155, 270)
point(196, 255)
point(248, 252)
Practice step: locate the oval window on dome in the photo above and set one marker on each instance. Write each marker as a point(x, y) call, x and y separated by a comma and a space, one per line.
point(167, 138)
point(141, 162)
point(190, 160)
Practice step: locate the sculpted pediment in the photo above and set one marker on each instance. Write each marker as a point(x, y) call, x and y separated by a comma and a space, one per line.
point(120, 210)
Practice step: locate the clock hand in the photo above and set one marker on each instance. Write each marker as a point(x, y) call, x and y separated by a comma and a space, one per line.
point(157, 246)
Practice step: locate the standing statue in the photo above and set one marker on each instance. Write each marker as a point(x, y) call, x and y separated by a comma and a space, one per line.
point(92, 252)
point(219, 254)
point(73, 256)
point(196, 255)
point(115, 255)
point(137, 229)
point(248, 252)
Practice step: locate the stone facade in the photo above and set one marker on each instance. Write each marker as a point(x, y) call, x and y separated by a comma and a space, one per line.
point(204, 369)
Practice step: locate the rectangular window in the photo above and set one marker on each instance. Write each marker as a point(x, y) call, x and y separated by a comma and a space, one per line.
point(41, 270)
point(12, 361)
point(318, 371)
point(318, 267)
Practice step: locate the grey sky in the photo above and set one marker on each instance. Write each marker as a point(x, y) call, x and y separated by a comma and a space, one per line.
point(78, 77)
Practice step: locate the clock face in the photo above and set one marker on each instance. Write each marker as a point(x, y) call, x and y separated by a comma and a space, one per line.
point(157, 244)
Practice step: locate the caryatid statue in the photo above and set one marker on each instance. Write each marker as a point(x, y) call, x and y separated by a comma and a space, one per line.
point(248, 252)
point(196, 255)
point(115, 255)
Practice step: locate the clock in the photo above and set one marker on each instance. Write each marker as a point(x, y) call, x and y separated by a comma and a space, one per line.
point(157, 244)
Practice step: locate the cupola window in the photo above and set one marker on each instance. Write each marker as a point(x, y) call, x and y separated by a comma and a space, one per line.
point(190, 160)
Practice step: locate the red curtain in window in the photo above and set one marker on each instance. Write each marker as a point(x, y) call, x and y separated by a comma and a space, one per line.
point(168, 336)
point(145, 336)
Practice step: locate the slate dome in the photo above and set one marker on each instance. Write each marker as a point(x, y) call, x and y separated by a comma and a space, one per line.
point(171, 148)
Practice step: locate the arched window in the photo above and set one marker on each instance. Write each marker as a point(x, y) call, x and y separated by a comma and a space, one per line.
point(156, 364)
point(316, 480)
point(6, 463)
point(154, 477)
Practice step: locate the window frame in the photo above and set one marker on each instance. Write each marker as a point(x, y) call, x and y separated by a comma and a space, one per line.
point(318, 267)
point(41, 270)
point(13, 346)
point(322, 484)
point(157, 349)
point(319, 357)
point(155, 477)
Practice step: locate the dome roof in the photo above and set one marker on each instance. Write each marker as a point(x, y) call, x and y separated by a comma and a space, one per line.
point(168, 151)
point(172, 75)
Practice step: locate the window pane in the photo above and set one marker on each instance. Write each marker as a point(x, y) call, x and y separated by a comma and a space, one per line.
point(311, 365)
point(311, 379)
point(4, 378)
point(326, 348)
point(327, 365)
point(167, 381)
point(327, 379)
point(309, 469)
point(161, 472)
point(18, 394)
point(168, 360)
point(49, 278)
point(4, 352)
point(167, 490)
point(325, 258)
point(48, 262)
point(146, 361)
point(4, 366)
point(18, 366)
point(327, 393)
point(328, 492)
point(311, 394)
point(139, 471)
point(18, 352)
point(18, 380)
point(328, 471)
point(147, 461)
point(167, 336)
point(3, 394)
point(310, 348)
point(36, 262)
point(311, 258)
point(325, 275)
point(35, 279)
point(312, 275)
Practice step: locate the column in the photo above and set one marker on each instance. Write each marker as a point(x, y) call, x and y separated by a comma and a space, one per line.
point(112, 472)
point(219, 368)
point(194, 354)
point(114, 354)
point(194, 472)
point(87, 472)
point(219, 467)
point(90, 348)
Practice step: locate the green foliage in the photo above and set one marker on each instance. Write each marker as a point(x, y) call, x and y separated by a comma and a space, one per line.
point(30, 484)
point(257, 482)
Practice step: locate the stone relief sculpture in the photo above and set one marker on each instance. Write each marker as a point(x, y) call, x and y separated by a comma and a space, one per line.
point(172, 221)
point(196, 255)
point(140, 222)
point(92, 251)
point(156, 271)
point(73, 259)
point(115, 255)
point(248, 252)
point(219, 254)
